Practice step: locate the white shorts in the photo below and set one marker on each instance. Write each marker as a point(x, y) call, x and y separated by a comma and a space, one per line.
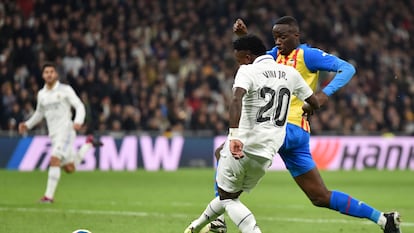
point(62, 146)
point(240, 175)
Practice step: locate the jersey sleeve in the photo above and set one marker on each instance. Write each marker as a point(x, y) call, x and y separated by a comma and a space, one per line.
point(273, 52)
point(318, 60)
point(242, 78)
point(37, 115)
point(76, 103)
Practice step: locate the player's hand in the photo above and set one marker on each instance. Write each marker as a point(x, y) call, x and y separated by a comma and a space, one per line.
point(322, 97)
point(22, 128)
point(77, 127)
point(236, 148)
point(307, 110)
point(239, 28)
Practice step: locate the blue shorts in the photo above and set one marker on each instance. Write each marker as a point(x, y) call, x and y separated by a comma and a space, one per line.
point(295, 151)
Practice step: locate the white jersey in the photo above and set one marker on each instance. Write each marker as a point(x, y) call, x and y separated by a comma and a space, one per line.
point(55, 105)
point(266, 103)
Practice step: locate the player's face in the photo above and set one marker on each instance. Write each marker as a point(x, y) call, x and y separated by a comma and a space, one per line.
point(50, 75)
point(286, 38)
point(243, 57)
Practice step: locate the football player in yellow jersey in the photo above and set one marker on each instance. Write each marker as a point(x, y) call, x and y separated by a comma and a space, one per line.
point(295, 151)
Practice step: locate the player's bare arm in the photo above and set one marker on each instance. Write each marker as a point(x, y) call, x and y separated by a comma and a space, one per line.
point(236, 146)
point(322, 97)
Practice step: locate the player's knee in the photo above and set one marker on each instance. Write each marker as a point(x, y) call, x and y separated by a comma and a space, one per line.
point(54, 161)
point(226, 195)
point(249, 225)
point(321, 200)
point(69, 168)
point(317, 202)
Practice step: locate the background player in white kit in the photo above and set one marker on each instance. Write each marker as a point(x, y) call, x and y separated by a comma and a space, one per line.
point(54, 103)
point(258, 111)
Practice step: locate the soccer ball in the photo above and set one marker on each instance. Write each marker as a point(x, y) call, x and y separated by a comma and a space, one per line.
point(81, 231)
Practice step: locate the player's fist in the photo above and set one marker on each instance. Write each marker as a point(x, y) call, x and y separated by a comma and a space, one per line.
point(236, 148)
point(22, 128)
point(239, 28)
point(307, 109)
point(77, 127)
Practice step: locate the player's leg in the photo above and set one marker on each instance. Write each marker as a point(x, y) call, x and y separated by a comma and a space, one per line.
point(235, 176)
point(90, 142)
point(69, 163)
point(237, 211)
point(53, 178)
point(296, 155)
point(219, 224)
point(242, 217)
point(313, 186)
point(213, 209)
point(67, 151)
point(62, 150)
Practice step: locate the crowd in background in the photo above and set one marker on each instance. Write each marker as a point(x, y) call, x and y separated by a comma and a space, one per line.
point(167, 65)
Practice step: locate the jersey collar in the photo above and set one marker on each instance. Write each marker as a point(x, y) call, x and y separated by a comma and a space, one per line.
point(54, 87)
point(263, 58)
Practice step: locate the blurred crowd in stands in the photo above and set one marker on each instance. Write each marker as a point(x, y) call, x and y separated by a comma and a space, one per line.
point(167, 66)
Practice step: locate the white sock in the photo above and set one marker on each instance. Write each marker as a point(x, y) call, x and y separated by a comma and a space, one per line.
point(82, 152)
point(241, 216)
point(213, 210)
point(382, 220)
point(52, 181)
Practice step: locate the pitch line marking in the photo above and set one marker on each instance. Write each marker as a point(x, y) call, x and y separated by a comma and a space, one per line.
point(176, 215)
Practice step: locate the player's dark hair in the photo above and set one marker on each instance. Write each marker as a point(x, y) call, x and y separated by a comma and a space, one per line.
point(289, 20)
point(48, 64)
point(251, 43)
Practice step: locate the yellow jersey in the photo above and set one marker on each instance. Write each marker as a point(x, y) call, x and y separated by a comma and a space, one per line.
point(309, 61)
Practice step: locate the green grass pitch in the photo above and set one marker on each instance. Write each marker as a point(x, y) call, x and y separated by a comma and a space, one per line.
point(166, 202)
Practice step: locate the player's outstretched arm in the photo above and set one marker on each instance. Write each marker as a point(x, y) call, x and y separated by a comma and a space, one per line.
point(240, 28)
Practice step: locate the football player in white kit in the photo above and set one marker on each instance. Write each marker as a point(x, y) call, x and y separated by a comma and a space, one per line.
point(259, 107)
point(54, 103)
